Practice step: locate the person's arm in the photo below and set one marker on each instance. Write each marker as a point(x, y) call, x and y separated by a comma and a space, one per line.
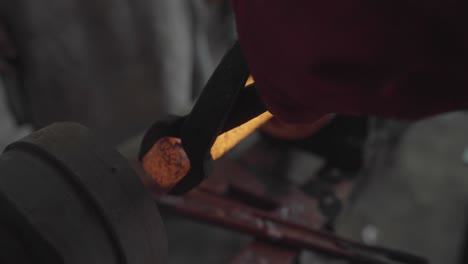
point(400, 59)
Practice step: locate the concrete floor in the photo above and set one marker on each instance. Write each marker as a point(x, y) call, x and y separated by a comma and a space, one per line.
point(417, 196)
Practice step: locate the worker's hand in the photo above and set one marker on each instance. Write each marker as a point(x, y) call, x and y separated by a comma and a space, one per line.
point(391, 58)
point(279, 129)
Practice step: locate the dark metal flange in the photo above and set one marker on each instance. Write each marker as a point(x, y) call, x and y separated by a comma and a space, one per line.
point(66, 192)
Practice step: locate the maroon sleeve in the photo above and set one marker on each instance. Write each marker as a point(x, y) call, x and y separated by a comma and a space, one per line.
point(392, 58)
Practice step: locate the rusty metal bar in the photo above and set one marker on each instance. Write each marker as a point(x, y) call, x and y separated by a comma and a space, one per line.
point(207, 208)
point(201, 206)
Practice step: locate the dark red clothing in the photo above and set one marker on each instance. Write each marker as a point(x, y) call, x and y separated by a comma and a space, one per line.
point(392, 58)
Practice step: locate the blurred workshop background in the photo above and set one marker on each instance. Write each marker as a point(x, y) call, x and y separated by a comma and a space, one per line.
point(117, 66)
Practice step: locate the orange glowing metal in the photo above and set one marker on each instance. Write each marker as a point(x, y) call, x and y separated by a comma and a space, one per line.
point(250, 81)
point(231, 138)
point(166, 163)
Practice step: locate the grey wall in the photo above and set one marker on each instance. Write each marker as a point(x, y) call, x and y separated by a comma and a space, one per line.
point(114, 65)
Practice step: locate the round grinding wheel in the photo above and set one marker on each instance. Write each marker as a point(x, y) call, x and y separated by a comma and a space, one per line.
point(67, 198)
